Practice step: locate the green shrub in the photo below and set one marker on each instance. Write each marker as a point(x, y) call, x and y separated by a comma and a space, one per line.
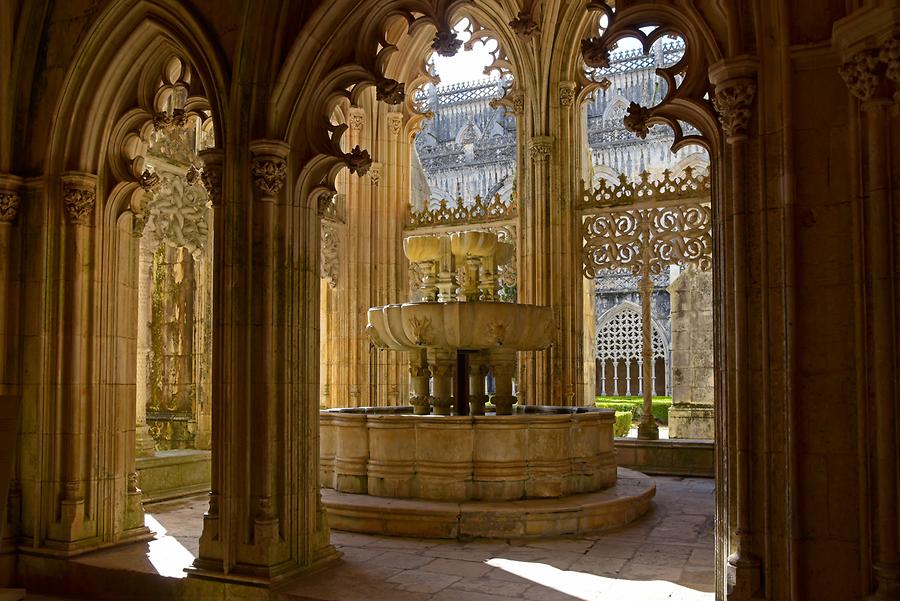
point(623, 423)
point(634, 404)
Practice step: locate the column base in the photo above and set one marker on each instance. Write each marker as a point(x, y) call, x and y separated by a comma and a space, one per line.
point(648, 431)
point(743, 578)
point(691, 421)
point(261, 576)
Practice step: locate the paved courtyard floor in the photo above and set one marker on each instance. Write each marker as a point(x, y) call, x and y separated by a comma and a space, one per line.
point(665, 555)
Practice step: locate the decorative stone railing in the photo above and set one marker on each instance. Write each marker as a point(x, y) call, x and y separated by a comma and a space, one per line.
point(458, 213)
point(539, 452)
point(669, 188)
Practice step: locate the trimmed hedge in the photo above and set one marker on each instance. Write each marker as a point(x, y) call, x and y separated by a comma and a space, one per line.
point(635, 405)
point(623, 424)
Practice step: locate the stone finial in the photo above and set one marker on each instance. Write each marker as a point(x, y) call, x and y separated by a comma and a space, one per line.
point(860, 73)
point(358, 161)
point(540, 148)
point(446, 43)
point(566, 93)
point(356, 118)
point(268, 167)
point(637, 120)
point(524, 25)
point(732, 101)
point(595, 53)
point(79, 196)
point(9, 205)
point(389, 91)
point(395, 124)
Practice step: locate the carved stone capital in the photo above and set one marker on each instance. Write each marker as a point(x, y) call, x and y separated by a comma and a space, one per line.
point(518, 103)
point(356, 118)
point(10, 197)
point(446, 43)
point(375, 173)
point(732, 101)
point(524, 25)
point(395, 124)
point(862, 73)
point(540, 148)
point(389, 91)
point(79, 196)
point(566, 93)
point(637, 120)
point(268, 167)
point(211, 176)
point(325, 204)
point(9, 205)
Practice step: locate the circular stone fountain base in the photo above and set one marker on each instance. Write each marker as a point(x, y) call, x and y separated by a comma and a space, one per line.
point(616, 506)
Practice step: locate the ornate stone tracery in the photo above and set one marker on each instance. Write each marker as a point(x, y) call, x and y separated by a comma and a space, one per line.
point(463, 213)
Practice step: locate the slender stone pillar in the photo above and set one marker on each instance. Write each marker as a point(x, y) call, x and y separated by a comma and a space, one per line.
point(144, 442)
point(870, 75)
point(10, 199)
point(74, 524)
point(647, 428)
point(503, 367)
point(419, 376)
point(478, 369)
point(443, 369)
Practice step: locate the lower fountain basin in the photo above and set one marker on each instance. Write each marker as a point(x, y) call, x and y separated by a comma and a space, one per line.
point(538, 452)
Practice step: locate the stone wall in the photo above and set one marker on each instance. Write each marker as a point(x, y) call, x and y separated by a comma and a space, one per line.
point(693, 370)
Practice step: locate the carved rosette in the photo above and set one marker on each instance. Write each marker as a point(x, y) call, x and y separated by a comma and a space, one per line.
point(733, 101)
point(395, 124)
point(860, 73)
point(566, 93)
point(446, 43)
point(637, 120)
point(540, 148)
point(268, 167)
point(356, 119)
point(79, 197)
point(524, 25)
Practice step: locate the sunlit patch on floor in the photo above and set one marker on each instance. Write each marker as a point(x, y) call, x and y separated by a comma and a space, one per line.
point(168, 556)
point(598, 588)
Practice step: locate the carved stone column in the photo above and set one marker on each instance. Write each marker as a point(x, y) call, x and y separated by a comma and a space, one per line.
point(443, 368)
point(478, 369)
point(735, 88)
point(268, 170)
point(503, 367)
point(79, 196)
point(870, 46)
point(10, 200)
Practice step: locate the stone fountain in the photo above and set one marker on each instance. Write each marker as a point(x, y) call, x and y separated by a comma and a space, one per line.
point(446, 467)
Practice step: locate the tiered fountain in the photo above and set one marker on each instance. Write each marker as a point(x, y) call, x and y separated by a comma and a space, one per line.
point(446, 467)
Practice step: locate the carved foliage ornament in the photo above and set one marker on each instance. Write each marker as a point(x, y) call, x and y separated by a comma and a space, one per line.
point(329, 257)
point(540, 148)
point(268, 175)
point(9, 206)
point(566, 93)
point(357, 119)
point(389, 91)
point(524, 25)
point(732, 102)
point(595, 53)
point(860, 73)
point(358, 161)
point(637, 120)
point(395, 124)
point(79, 203)
point(446, 43)
point(211, 178)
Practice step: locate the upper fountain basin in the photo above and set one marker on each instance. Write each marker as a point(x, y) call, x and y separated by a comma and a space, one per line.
point(462, 326)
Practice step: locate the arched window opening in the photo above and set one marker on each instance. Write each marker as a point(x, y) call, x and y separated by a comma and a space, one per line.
point(646, 228)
